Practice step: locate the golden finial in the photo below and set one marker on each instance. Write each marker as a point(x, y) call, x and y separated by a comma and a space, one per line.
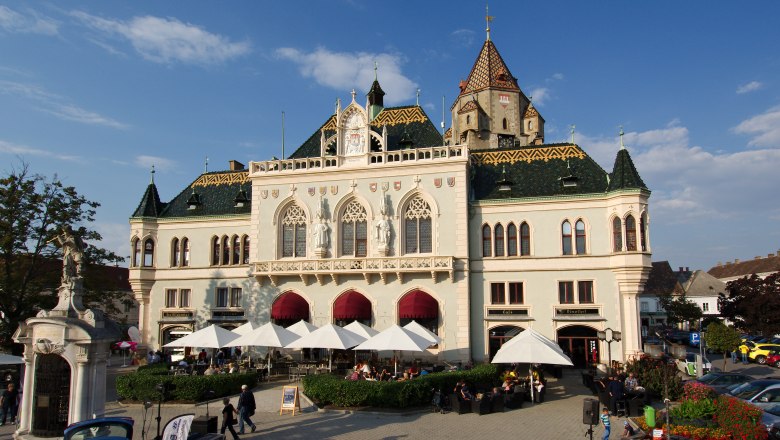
point(488, 19)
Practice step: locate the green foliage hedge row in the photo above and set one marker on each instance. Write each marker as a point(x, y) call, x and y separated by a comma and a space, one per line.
point(141, 385)
point(655, 375)
point(326, 389)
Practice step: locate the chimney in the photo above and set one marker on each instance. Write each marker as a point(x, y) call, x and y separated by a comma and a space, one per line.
point(770, 255)
point(681, 269)
point(236, 165)
point(720, 264)
point(736, 260)
point(687, 269)
point(758, 257)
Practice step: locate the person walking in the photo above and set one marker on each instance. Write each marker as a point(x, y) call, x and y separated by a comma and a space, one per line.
point(605, 422)
point(734, 355)
point(246, 409)
point(227, 418)
point(8, 404)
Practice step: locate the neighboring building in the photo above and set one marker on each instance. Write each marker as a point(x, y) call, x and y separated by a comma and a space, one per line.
point(377, 217)
point(662, 280)
point(703, 290)
point(760, 266)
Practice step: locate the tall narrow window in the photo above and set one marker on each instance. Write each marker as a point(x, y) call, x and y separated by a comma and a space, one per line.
point(245, 250)
point(504, 124)
point(185, 251)
point(630, 233)
point(215, 251)
point(170, 298)
point(354, 230)
point(487, 243)
point(525, 239)
point(515, 293)
point(149, 252)
point(175, 252)
point(499, 240)
point(580, 231)
point(566, 237)
point(235, 297)
point(643, 231)
point(294, 232)
point(511, 240)
point(222, 297)
point(497, 293)
point(418, 227)
point(566, 292)
point(184, 298)
point(617, 235)
point(225, 250)
point(236, 259)
point(136, 252)
point(585, 292)
point(530, 125)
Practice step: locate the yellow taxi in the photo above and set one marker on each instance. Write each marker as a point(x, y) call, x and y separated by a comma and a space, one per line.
point(760, 351)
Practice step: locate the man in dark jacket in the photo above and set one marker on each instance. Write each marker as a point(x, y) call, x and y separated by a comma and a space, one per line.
point(246, 408)
point(615, 389)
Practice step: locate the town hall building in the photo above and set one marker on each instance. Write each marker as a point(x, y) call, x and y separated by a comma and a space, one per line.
point(477, 233)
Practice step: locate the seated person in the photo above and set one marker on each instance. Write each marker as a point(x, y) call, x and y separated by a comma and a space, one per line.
point(366, 368)
point(413, 371)
point(384, 375)
point(631, 383)
point(405, 377)
point(465, 392)
point(458, 385)
point(209, 371)
point(354, 376)
point(628, 430)
point(232, 368)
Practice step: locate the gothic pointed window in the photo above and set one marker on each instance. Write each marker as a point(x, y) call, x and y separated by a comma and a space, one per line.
point(293, 232)
point(185, 251)
point(630, 233)
point(136, 244)
point(225, 250)
point(487, 241)
point(580, 237)
point(418, 227)
point(236, 259)
point(175, 252)
point(215, 251)
point(566, 237)
point(354, 230)
point(245, 250)
point(525, 239)
point(499, 243)
point(617, 235)
point(511, 240)
point(148, 253)
point(643, 231)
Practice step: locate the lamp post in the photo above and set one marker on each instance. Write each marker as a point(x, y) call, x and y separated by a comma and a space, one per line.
point(614, 336)
point(160, 389)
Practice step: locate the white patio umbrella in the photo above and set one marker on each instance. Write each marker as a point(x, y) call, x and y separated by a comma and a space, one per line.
point(415, 327)
point(212, 336)
point(394, 338)
point(302, 328)
point(361, 329)
point(267, 335)
point(531, 347)
point(328, 336)
point(244, 329)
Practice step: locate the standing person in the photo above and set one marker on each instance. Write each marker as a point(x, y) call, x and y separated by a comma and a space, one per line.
point(734, 355)
point(744, 350)
point(246, 408)
point(605, 422)
point(227, 418)
point(615, 389)
point(8, 403)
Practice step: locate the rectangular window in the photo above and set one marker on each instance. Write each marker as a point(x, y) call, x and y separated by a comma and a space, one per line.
point(585, 292)
point(235, 297)
point(566, 292)
point(222, 297)
point(497, 293)
point(705, 307)
point(170, 298)
point(128, 307)
point(658, 307)
point(361, 239)
point(184, 298)
point(644, 306)
point(515, 293)
point(348, 242)
point(411, 236)
point(426, 242)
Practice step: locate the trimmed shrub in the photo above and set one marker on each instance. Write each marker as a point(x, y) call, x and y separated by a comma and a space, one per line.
point(653, 373)
point(142, 385)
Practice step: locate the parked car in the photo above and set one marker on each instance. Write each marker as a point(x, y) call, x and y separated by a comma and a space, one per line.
point(106, 428)
point(688, 364)
point(771, 419)
point(773, 359)
point(720, 381)
point(760, 352)
point(679, 336)
point(762, 392)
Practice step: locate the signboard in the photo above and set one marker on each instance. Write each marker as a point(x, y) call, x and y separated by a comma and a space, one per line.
point(658, 434)
point(576, 311)
point(290, 400)
point(504, 312)
point(695, 339)
point(178, 428)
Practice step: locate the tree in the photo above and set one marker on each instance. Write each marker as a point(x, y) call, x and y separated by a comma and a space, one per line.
point(722, 338)
point(33, 210)
point(752, 304)
point(679, 309)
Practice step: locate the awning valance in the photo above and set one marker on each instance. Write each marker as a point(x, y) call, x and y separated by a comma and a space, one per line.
point(290, 306)
point(352, 305)
point(418, 305)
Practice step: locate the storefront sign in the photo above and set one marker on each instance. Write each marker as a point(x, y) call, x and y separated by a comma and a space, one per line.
point(509, 312)
point(571, 312)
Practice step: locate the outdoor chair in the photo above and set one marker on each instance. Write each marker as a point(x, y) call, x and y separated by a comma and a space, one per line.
point(481, 406)
point(497, 404)
point(459, 405)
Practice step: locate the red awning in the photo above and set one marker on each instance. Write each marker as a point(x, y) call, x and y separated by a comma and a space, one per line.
point(352, 305)
point(418, 305)
point(290, 306)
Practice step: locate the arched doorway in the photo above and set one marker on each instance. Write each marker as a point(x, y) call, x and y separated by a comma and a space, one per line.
point(580, 343)
point(351, 306)
point(171, 334)
point(497, 336)
point(421, 307)
point(288, 309)
point(51, 403)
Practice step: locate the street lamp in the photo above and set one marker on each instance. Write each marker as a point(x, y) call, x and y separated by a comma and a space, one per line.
point(160, 389)
point(614, 336)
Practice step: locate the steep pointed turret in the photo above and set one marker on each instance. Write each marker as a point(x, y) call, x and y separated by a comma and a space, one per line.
point(624, 174)
point(375, 98)
point(489, 70)
point(150, 205)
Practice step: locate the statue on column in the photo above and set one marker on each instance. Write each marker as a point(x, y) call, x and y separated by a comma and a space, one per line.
point(72, 255)
point(320, 232)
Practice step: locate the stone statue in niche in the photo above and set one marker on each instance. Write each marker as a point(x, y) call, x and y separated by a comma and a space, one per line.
point(320, 231)
point(382, 227)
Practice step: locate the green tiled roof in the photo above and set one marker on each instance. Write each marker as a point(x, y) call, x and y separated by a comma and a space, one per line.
point(150, 205)
point(536, 171)
point(624, 174)
point(217, 192)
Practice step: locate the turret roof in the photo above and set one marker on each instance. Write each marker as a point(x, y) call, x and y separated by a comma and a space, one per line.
point(624, 174)
point(489, 71)
point(150, 205)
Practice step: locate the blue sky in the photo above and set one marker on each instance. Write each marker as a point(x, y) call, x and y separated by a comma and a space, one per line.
point(98, 91)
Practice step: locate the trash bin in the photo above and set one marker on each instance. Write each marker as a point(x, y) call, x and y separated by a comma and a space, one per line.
point(650, 416)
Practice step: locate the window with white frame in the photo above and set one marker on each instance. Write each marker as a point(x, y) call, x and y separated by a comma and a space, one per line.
point(148, 253)
point(502, 293)
point(180, 298)
point(644, 306)
point(705, 307)
point(658, 307)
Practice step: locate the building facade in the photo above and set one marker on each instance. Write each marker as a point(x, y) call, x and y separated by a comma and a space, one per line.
point(477, 233)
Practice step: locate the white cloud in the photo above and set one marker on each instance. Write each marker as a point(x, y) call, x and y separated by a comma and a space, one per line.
point(749, 87)
point(765, 128)
point(345, 71)
point(464, 37)
point(557, 76)
point(24, 150)
point(28, 23)
point(160, 163)
point(539, 95)
point(56, 105)
point(168, 40)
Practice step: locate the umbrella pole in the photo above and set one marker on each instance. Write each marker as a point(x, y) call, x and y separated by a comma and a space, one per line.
point(395, 364)
point(330, 360)
point(268, 364)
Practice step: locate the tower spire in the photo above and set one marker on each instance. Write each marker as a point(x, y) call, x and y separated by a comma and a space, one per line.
point(488, 19)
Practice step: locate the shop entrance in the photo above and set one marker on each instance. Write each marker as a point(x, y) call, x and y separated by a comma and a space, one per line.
point(497, 336)
point(580, 343)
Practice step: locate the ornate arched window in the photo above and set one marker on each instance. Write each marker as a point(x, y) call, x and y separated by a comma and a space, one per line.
point(245, 250)
point(580, 237)
point(148, 253)
point(487, 241)
point(215, 251)
point(525, 239)
point(643, 231)
point(354, 230)
point(418, 227)
point(225, 250)
point(185, 251)
point(236, 259)
point(566, 237)
point(511, 240)
point(499, 240)
point(136, 252)
point(293, 232)
point(630, 233)
point(175, 252)
point(617, 235)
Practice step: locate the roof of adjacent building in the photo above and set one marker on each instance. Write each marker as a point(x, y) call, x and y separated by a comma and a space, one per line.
point(216, 192)
point(489, 70)
point(662, 280)
point(703, 284)
point(737, 269)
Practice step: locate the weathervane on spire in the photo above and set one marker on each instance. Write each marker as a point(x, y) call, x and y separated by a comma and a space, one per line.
point(418, 97)
point(376, 66)
point(622, 147)
point(206, 165)
point(572, 133)
point(488, 19)
point(152, 182)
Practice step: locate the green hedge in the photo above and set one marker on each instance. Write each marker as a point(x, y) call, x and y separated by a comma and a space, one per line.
point(141, 385)
point(326, 389)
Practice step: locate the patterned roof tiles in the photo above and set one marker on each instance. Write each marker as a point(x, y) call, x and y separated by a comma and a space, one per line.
point(489, 71)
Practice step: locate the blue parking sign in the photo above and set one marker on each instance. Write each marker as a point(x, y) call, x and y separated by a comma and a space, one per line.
point(694, 338)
